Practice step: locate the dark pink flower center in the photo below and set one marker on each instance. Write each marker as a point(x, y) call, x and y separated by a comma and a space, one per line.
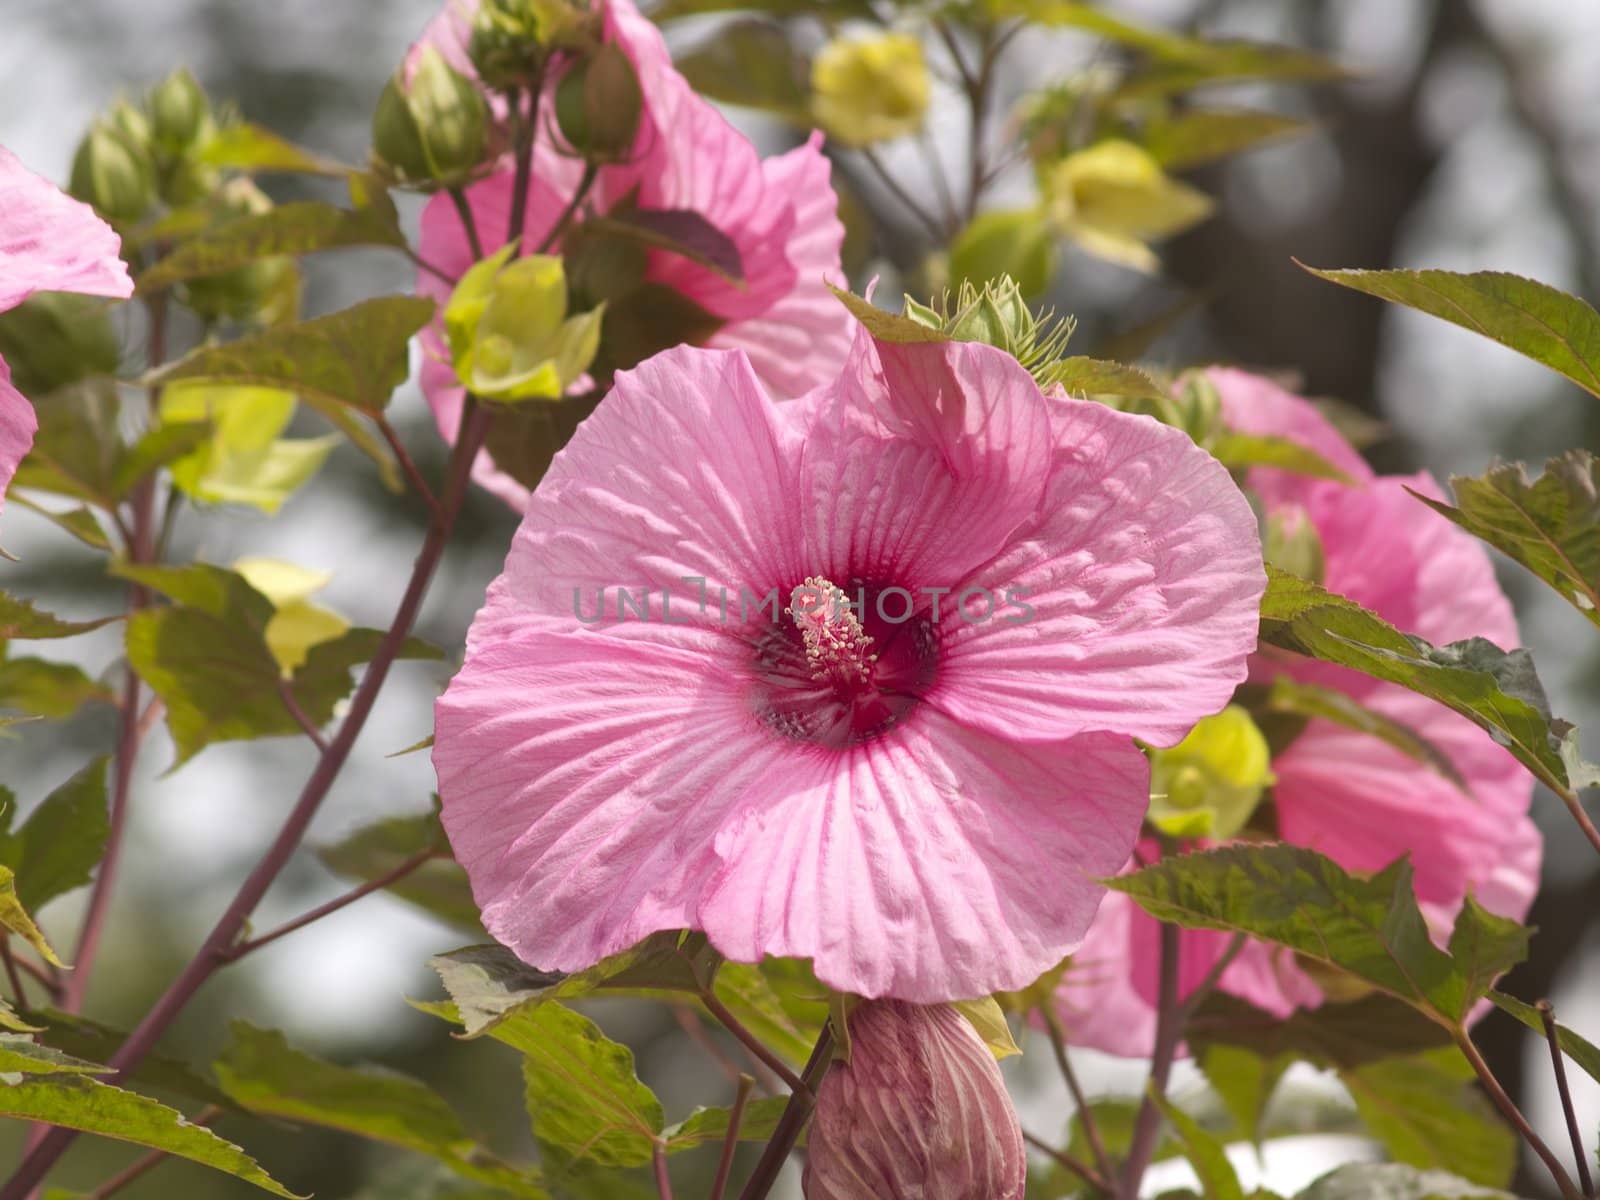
point(841, 666)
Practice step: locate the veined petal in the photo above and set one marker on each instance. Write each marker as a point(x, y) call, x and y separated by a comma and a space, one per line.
point(18, 424)
point(1143, 569)
point(1255, 405)
point(50, 242)
point(935, 863)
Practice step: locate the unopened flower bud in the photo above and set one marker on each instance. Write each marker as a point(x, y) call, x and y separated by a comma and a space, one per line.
point(1209, 784)
point(113, 172)
point(870, 90)
point(53, 339)
point(1292, 544)
point(511, 39)
point(432, 128)
point(180, 114)
point(598, 105)
point(918, 1113)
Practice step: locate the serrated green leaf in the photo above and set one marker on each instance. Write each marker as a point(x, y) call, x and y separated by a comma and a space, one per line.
point(1485, 946)
point(1244, 1081)
point(710, 1125)
point(260, 1071)
point(215, 591)
point(54, 690)
point(1427, 1113)
point(1188, 139)
point(1335, 1034)
point(354, 357)
point(1551, 525)
point(439, 886)
point(14, 917)
point(1205, 1153)
point(750, 63)
point(10, 1020)
point(21, 1055)
point(1394, 1181)
point(1497, 690)
point(582, 1092)
point(1581, 1051)
point(76, 448)
point(58, 847)
point(79, 522)
point(1534, 319)
point(85, 1104)
point(304, 227)
point(94, 1042)
point(243, 146)
point(1369, 927)
point(1082, 376)
point(1241, 451)
point(887, 326)
point(20, 619)
point(324, 678)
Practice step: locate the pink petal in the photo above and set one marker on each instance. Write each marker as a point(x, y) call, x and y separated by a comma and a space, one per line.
point(1253, 404)
point(1144, 572)
point(50, 242)
point(17, 427)
point(800, 341)
point(921, 463)
point(934, 863)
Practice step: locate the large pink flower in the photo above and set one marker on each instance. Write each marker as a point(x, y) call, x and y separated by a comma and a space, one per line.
point(1342, 793)
point(49, 242)
point(781, 213)
point(917, 796)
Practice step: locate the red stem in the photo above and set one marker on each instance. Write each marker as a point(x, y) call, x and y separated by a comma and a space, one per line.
point(1169, 1033)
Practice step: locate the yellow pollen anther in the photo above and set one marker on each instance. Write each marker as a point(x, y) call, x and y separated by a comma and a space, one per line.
point(838, 649)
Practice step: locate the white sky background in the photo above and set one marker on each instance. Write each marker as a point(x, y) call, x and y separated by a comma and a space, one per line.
point(1457, 396)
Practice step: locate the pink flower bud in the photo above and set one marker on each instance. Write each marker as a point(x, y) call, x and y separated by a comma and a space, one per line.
point(918, 1113)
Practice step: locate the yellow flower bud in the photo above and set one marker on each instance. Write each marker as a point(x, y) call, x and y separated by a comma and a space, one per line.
point(1113, 199)
point(870, 90)
point(1209, 784)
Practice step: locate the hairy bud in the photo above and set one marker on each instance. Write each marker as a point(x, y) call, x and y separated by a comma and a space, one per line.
point(180, 114)
point(918, 1113)
point(112, 170)
point(432, 128)
point(598, 105)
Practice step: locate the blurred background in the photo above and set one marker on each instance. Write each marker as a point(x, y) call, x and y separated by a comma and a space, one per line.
point(1468, 139)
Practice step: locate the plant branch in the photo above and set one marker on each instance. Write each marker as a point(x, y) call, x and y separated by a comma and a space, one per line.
point(579, 194)
point(423, 264)
point(1209, 981)
point(1094, 1178)
point(1547, 1017)
point(1091, 1127)
point(1569, 797)
point(286, 694)
point(524, 134)
point(50, 983)
point(17, 994)
point(730, 1143)
point(1513, 1114)
point(407, 464)
point(1169, 1033)
point(469, 223)
point(411, 864)
point(750, 1041)
point(213, 952)
point(663, 1178)
point(898, 190)
point(790, 1122)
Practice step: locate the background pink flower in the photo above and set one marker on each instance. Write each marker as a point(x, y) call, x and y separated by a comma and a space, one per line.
point(1342, 793)
point(781, 214)
point(49, 242)
point(925, 824)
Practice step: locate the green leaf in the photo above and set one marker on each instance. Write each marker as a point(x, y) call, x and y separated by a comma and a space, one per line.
point(1532, 318)
point(325, 678)
point(1497, 690)
point(1083, 376)
point(10, 1020)
point(523, 439)
point(215, 591)
point(783, 8)
point(1205, 1153)
point(644, 322)
point(159, 447)
point(1581, 1051)
point(1244, 1081)
point(79, 1102)
point(1016, 242)
point(1369, 927)
point(1335, 1034)
point(58, 847)
point(304, 227)
point(1287, 697)
point(679, 231)
point(38, 687)
point(989, 1019)
point(260, 1071)
point(15, 919)
point(79, 522)
point(19, 619)
point(243, 146)
point(76, 448)
point(21, 1055)
point(1485, 946)
point(887, 326)
point(1241, 451)
point(1394, 1181)
point(439, 886)
point(354, 357)
point(710, 1125)
point(489, 983)
point(1189, 139)
point(779, 1000)
point(1427, 1112)
point(1550, 526)
point(582, 1092)
point(94, 1042)
point(749, 62)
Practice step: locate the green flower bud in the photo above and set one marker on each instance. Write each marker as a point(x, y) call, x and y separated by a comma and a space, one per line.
point(1292, 544)
point(54, 339)
point(180, 114)
point(1209, 784)
point(113, 172)
point(598, 105)
point(129, 119)
point(997, 315)
point(433, 129)
point(253, 292)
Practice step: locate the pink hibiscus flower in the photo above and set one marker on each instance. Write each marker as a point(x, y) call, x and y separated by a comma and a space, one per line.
point(1342, 793)
point(781, 213)
point(916, 793)
point(49, 242)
